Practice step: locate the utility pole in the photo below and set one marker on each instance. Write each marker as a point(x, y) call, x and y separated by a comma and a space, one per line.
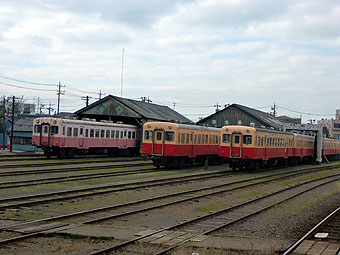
point(60, 92)
point(12, 130)
point(100, 94)
point(144, 99)
point(49, 108)
point(41, 106)
point(274, 109)
point(174, 105)
point(217, 106)
point(86, 99)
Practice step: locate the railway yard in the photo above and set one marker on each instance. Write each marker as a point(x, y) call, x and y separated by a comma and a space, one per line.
point(128, 206)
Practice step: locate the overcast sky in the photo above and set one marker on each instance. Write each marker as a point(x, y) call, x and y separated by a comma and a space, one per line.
point(192, 53)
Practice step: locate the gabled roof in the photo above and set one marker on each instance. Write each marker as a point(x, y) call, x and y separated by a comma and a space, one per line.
point(146, 110)
point(265, 118)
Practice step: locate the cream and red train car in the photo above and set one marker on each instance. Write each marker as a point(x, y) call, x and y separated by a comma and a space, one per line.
point(67, 138)
point(331, 149)
point(173, 145)
point(251, 148)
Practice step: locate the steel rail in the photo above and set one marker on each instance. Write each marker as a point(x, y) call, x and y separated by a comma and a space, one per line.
point(70, 169)
point(312, 231)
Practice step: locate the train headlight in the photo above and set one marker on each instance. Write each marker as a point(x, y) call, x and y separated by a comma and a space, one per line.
point(37, 121)
point(227, 129)
point(54, 122)
point(170, 127)
point(149, 126)
point(247, 130)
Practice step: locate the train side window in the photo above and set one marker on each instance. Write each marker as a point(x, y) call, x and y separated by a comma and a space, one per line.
point(117, 134)
point(247, 139)
point(191, 138)
point(203, 139)
point(262, 141)
point(209, 139)
point(91, 132)
point(187, 135)
point(54, 130)
point(182, 138)
point(133, 134)
point(169, 136)
point(69, 131)
point(124, 133)
point(226, 138)
point(97, 133)
point(179, 137)
point(195, 139)
point(129, 135)
point(147, 135)
point(75, 132)
point(199, 139)
point(63, 130)
point(81, 131)
point(112, 134)
point(107, 133)
point(102, 133)
point(206, 139)
point(86, 133)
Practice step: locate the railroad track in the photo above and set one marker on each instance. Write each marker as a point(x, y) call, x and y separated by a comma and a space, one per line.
point(329, 228)
point(16, 226)
point(73, 169)
point(68, 162)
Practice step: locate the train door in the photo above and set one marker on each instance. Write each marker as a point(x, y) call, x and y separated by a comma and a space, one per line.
point(191, 143)
point(265, 147)
point(124, 139)
point(81, 137)
point(158, 142)
point(45, 134)
point(236, 145)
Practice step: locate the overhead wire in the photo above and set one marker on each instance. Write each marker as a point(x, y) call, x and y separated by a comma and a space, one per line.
point(29, 82)
point(16, 86)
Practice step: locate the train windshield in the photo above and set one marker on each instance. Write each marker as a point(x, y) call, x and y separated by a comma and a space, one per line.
point(37, 128)
point(148, 135)
point(54, 130)
point(247, 139)
point(226, 138)
point(169, 136)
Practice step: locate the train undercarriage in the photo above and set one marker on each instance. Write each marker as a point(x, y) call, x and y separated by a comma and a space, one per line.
point(179, 162)
point(62, 153)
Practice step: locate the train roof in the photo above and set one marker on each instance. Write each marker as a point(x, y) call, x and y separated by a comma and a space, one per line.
point(184, 126)
point(90, 122)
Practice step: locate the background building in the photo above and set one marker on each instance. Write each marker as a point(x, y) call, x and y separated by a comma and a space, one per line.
point(332, 126)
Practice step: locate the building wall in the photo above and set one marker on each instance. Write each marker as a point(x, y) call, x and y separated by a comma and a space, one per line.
point(333, 127)
point(231, 116)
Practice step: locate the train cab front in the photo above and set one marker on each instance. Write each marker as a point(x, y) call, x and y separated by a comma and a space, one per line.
point(158, 140)
point(236, 144)
point(46, 134)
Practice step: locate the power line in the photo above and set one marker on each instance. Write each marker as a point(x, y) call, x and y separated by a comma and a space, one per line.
point(20, 87)
point(307, 113)
point(82, 91)
point(29, 82)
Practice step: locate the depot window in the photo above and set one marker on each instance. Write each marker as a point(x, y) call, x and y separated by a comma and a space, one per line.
point(247, 139)
point(169, 136)
point(148, 135)
point(226, 138)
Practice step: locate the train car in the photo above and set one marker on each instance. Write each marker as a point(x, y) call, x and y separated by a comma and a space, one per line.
point(173, 145)
point(66, 138)
point(251, 148)
point(331, 149)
